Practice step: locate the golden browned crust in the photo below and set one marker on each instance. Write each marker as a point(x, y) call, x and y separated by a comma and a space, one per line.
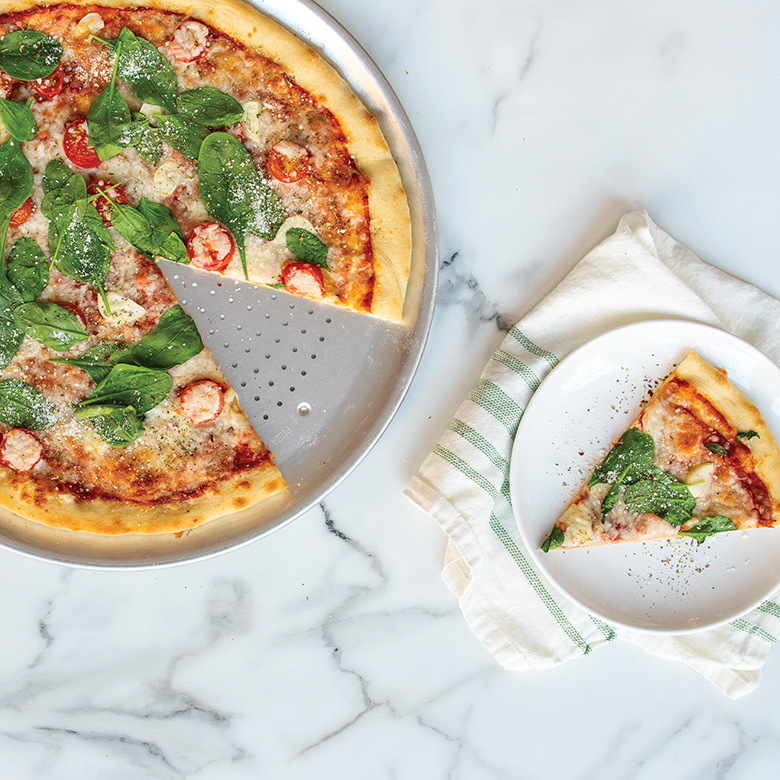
point(21, 494)
point(388, 205)
point(741, 414)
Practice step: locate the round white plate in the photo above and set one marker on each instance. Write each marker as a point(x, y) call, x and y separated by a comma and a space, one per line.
point(671, 586)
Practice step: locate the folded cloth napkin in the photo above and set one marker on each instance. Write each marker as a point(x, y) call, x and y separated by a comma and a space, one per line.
point(638, 273)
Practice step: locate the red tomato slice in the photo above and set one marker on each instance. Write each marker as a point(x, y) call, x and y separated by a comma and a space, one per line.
point(76, 145)
point(303, 279)
point(190, 41)
point(202, 401)
point(210, 246)
point(102, 204)
point(50, 86)
point(20, 449)
point(288, 162)
point(22, 214)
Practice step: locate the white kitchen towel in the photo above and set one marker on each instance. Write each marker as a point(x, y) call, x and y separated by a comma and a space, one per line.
point(638, 273)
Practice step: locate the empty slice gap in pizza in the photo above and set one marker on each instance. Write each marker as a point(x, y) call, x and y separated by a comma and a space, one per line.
point(203, 134)
point(698, 460)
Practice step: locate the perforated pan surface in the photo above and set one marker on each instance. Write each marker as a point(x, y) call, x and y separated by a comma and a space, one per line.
point(319, 384)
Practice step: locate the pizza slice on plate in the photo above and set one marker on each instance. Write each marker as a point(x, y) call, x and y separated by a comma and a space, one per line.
point(698, 460)
point(135, 132)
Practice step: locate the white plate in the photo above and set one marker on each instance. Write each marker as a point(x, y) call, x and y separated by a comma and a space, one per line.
point(671, 586)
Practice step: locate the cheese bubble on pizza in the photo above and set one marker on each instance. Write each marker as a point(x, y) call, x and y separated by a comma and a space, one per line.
point(698, 460)
point(167, 132)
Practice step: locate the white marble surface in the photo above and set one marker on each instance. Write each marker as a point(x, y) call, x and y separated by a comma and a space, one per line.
point(332, 649)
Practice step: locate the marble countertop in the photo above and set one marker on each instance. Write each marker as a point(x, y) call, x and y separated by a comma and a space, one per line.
point(332, 648)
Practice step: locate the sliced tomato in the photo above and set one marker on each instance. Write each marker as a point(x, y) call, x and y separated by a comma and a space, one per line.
point(20, 449)
point(202, 401)
point(288, 162)
point(303, 279)
point(190, 41)
point(22, 214)
point(103, 204)
point(51, 86)
point(210, 246)
point(75, 143)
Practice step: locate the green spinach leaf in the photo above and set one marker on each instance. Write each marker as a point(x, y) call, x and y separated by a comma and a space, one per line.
point(18, 120)
point(307, 247)
point(635, 449)
point(184, 134)
point(82, 245)
point(661, 495)
point(109, 120)
point(11, 335)
point(22, 406)
point(174, 340)
point(16, 185)
point(51, 324)
point(210, 107)
point(28, 269)
point(717, 449)
point(234, 192)
point(99, 359)
point(115, 424)
point(129, 385)
point(555, 539)
point(144, 69)
point(152, 229)
point(27, 54)
point(709, 526)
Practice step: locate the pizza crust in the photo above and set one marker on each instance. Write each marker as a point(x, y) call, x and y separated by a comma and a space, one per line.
point(388, 205)
point(21, 494)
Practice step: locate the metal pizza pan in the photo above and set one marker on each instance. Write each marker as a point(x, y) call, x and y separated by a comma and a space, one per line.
point(319, 384)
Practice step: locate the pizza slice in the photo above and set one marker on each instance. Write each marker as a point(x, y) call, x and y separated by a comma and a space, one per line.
point(698, 460)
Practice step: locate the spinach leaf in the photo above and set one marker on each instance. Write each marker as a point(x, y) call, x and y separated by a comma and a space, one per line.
point(109, 120)
point(635, 449)
point(307, 247)
point(99, 359)
point(152, 229)
point(115, 424)
point(18, 120)
point(130, 385)
point(28, 269)
point(22, 406)
point(144, 69)
point(708, 526)
point(27, 54)
point(51, 324)
point(184, 134)
point(210, 107)
point(661, 495)
point(555, 539)
point(234, 192)
point(16, 184)
point(82, 245)
point(174, 340)
point(11, 335)
point(717, 449)
point(61, 187)
point(146, 139)
point(613, 494)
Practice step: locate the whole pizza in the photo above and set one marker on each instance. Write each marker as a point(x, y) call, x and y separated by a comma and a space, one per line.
point(132, 135)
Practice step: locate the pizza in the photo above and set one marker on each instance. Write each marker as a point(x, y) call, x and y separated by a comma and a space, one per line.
point(134, 135)
point(698, 460)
